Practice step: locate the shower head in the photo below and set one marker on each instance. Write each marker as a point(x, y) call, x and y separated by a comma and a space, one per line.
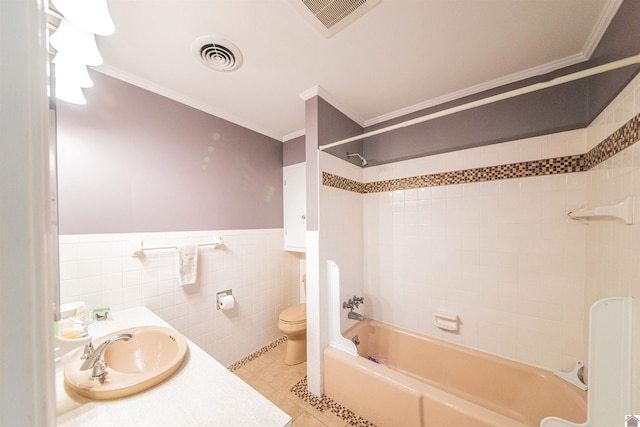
point(362, 159)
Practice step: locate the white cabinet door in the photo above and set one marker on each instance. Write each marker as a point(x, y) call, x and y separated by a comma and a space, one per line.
point(295, 206)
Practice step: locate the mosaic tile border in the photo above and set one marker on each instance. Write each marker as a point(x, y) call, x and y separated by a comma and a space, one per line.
point(325, 403)
point(240, 363)
point(619, 140)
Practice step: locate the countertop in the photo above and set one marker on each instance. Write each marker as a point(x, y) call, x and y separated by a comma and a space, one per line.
point(201, 393)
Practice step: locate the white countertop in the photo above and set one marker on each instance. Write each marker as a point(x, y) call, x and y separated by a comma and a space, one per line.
point(201, 393)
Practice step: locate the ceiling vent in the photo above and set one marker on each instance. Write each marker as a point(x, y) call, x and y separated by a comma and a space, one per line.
point(217, 53)
point(331, 16)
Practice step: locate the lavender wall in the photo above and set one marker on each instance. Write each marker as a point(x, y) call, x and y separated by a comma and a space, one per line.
point(333, 125)
point(134, 161)
point(293, 151)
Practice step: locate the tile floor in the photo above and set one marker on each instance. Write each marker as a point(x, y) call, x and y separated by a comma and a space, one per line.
point(273, 379)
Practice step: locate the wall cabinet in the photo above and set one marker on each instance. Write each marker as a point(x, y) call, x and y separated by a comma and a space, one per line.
point(295, 206)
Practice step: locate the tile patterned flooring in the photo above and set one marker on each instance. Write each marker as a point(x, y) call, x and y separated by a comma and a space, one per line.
point(269, 375)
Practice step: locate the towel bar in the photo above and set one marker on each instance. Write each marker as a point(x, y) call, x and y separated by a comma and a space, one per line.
point(139, 248)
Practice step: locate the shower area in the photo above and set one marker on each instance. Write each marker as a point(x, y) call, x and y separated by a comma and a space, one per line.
point(501, 253)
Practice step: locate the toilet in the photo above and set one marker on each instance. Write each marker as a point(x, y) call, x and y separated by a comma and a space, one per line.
point(292, 322)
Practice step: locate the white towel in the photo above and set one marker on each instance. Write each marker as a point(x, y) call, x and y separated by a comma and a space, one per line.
point(187, 263)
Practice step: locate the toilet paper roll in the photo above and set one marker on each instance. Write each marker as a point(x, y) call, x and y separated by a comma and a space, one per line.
point(226, 302)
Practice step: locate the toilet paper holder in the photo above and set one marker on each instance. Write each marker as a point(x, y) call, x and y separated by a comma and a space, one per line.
point(222, 294)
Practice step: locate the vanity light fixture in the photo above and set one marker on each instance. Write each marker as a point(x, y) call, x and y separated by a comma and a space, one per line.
point(75, 44)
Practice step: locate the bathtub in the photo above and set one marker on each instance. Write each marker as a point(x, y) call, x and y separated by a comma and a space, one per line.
point(415, 380)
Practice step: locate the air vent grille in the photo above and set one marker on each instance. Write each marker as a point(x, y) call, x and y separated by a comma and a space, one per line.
point(217, 53)
point(218, 56)
point(331, 16)
point(330, 12)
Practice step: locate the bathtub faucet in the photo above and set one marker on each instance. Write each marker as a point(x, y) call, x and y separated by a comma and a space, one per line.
point(355, 316)
point(352, 303)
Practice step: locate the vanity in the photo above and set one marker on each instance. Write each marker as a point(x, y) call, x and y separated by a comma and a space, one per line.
point(202, 392)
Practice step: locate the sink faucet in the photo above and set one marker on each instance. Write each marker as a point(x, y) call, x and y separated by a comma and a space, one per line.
point(94, 360)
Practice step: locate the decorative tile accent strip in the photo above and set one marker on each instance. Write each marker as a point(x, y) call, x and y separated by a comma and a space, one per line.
point(336, 181)
point(622, 138)
point(558, 165)
point(239, 364)
point(325, 403)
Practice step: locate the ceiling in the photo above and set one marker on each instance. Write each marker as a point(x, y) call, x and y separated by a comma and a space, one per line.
point(400, 57)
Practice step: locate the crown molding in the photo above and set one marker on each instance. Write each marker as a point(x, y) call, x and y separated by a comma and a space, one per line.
point(605, 18)
point(293, 135)
point(340, 106)
point(492, 84)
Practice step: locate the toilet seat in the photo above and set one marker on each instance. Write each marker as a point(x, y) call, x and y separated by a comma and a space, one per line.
point(294, 315)
point(286, 322)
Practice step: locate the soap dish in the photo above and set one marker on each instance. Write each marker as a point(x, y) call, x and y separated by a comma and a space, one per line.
point(446, 321)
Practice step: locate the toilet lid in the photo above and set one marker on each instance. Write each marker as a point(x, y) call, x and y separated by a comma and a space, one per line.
point(294, 314)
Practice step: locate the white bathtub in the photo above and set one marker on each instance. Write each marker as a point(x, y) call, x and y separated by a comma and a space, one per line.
point(423, 381)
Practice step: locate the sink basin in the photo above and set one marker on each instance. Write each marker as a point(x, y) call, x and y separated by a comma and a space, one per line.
point(152, 355)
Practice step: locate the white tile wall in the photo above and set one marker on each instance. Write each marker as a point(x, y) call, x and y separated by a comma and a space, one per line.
point(100, 270)
point(613, 249)
point(501, 254)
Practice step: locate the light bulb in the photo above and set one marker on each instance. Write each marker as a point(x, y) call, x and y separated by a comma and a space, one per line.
point(71, 71)
point(75, 43)
point(90, 15)
point(68, 92)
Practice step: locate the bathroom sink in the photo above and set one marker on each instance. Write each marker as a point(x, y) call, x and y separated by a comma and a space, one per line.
point(151, 355)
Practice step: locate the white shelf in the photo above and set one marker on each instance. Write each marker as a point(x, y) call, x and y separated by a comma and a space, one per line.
point(622, 211)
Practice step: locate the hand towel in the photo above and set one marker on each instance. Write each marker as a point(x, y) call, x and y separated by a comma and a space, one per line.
point(187, 263)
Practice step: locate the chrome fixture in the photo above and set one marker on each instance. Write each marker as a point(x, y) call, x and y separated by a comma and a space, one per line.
point(94, 359)
point(355, 316)
point(362, 159)
point(355, 340)
point(352, 303)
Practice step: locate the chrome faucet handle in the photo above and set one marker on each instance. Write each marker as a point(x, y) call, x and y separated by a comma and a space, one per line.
point(88, 349)
point(99, 371)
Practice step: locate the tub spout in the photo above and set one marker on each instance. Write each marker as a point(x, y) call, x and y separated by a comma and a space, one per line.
point(355, 316)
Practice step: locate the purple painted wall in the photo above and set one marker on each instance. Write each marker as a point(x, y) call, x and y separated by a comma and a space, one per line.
point(333, 125)
point(293, 151)
point(134, 161)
